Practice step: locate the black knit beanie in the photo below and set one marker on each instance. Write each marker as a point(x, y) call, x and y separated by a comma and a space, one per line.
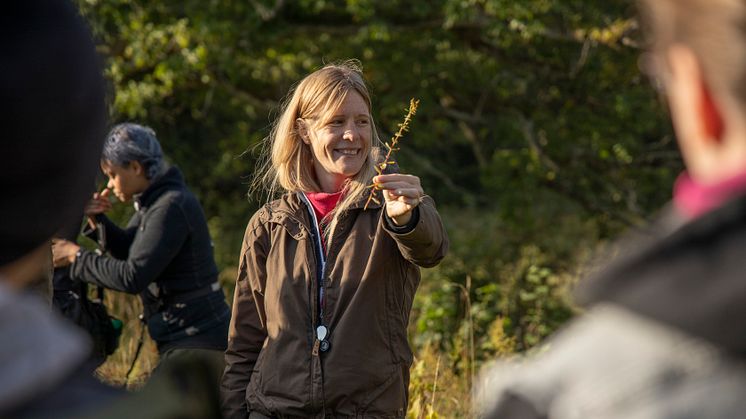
point(52, 123)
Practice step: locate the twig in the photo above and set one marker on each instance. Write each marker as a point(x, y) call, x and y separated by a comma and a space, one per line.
point(387, 160)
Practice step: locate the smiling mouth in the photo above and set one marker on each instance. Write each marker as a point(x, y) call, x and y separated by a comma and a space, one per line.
point(348, 151)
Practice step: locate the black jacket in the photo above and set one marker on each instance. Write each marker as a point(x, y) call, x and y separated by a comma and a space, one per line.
point(164, 254)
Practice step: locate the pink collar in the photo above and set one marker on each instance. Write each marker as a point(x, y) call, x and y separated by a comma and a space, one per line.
point(323, 203)
point(693, 199)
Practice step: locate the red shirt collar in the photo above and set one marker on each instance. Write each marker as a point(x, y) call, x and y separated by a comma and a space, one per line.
point(323, 203)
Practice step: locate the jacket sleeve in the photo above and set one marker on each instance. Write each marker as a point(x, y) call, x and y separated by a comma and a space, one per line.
point(247, 328)
point(427, 242)
point(157, 241)
point(118, 240)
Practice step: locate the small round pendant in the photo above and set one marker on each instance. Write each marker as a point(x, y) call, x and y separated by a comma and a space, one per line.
point(321, 332)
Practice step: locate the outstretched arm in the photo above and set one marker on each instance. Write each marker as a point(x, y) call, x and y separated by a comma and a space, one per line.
point(153, 248)
point(412, 220)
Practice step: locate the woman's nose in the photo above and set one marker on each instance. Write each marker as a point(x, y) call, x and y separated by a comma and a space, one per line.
point(350, 133)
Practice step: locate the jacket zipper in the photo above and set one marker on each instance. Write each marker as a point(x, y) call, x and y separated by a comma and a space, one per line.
point(321, 329)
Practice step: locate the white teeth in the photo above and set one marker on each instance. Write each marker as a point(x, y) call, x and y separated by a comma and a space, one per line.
point(347, 151)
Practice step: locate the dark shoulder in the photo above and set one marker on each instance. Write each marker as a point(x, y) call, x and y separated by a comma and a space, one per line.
point(173, 198)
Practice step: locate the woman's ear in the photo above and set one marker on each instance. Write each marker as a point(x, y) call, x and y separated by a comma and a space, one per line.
point(699, 116)
point(302, 128)
point(694, 110)
point(712, 120)
point(137, 167)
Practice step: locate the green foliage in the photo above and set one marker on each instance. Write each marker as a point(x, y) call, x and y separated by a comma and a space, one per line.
point(506, 287)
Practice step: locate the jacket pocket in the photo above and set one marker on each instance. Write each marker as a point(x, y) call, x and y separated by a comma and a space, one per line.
point(389, 398)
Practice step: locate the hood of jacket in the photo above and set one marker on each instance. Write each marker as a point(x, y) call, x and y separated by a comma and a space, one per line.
point(170, 179)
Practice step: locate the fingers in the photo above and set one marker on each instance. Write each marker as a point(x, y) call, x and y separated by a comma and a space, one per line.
point(99, 203)
point(102, 196)
point(94, 209)
point(409, 196)
point(57, 258)
point(397, 181)
point(398, 187)
point(63, 252)
point(397, 177)
point(402, 193)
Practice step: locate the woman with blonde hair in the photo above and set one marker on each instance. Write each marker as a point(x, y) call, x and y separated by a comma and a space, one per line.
point(325, 285)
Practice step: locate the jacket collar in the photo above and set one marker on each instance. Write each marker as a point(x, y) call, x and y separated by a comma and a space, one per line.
point(290, 206)
point(171, 179)
point(691, 278)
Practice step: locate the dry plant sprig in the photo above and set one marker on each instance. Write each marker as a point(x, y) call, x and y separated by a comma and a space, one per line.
point(390, 149)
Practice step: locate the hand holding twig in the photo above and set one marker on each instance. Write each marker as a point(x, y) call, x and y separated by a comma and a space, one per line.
point(390, 149)
point(402, 193)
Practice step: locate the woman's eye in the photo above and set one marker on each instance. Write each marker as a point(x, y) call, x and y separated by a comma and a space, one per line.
point(336, 122)
point(363, 122)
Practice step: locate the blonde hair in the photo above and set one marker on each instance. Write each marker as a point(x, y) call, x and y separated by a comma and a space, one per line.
point(714, 29)
point(286, 163)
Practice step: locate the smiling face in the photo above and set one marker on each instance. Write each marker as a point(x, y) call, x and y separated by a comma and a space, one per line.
point(340, 144)
point(125, 181)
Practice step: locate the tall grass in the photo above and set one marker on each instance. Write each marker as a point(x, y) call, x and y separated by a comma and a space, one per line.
point(114, 371)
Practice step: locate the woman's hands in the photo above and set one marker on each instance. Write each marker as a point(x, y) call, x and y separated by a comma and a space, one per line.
point(99, 204)
point(63, 252)
point(402, 193)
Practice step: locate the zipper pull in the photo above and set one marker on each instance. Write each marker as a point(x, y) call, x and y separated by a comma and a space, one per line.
point(321, 333)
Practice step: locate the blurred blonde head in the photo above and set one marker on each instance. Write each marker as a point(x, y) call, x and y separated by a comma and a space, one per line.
point(714, 29)
point(287, 162)
point(698, 52)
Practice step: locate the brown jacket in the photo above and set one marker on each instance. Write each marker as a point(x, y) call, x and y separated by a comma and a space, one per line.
point(274, 365)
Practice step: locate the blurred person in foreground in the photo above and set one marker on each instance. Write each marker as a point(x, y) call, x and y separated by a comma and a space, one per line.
point(663, 336)
point(52, 83)
point(164, 254)
point(53, 127)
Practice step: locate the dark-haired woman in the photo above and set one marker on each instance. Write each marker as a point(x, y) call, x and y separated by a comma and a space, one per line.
point(164, 254)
